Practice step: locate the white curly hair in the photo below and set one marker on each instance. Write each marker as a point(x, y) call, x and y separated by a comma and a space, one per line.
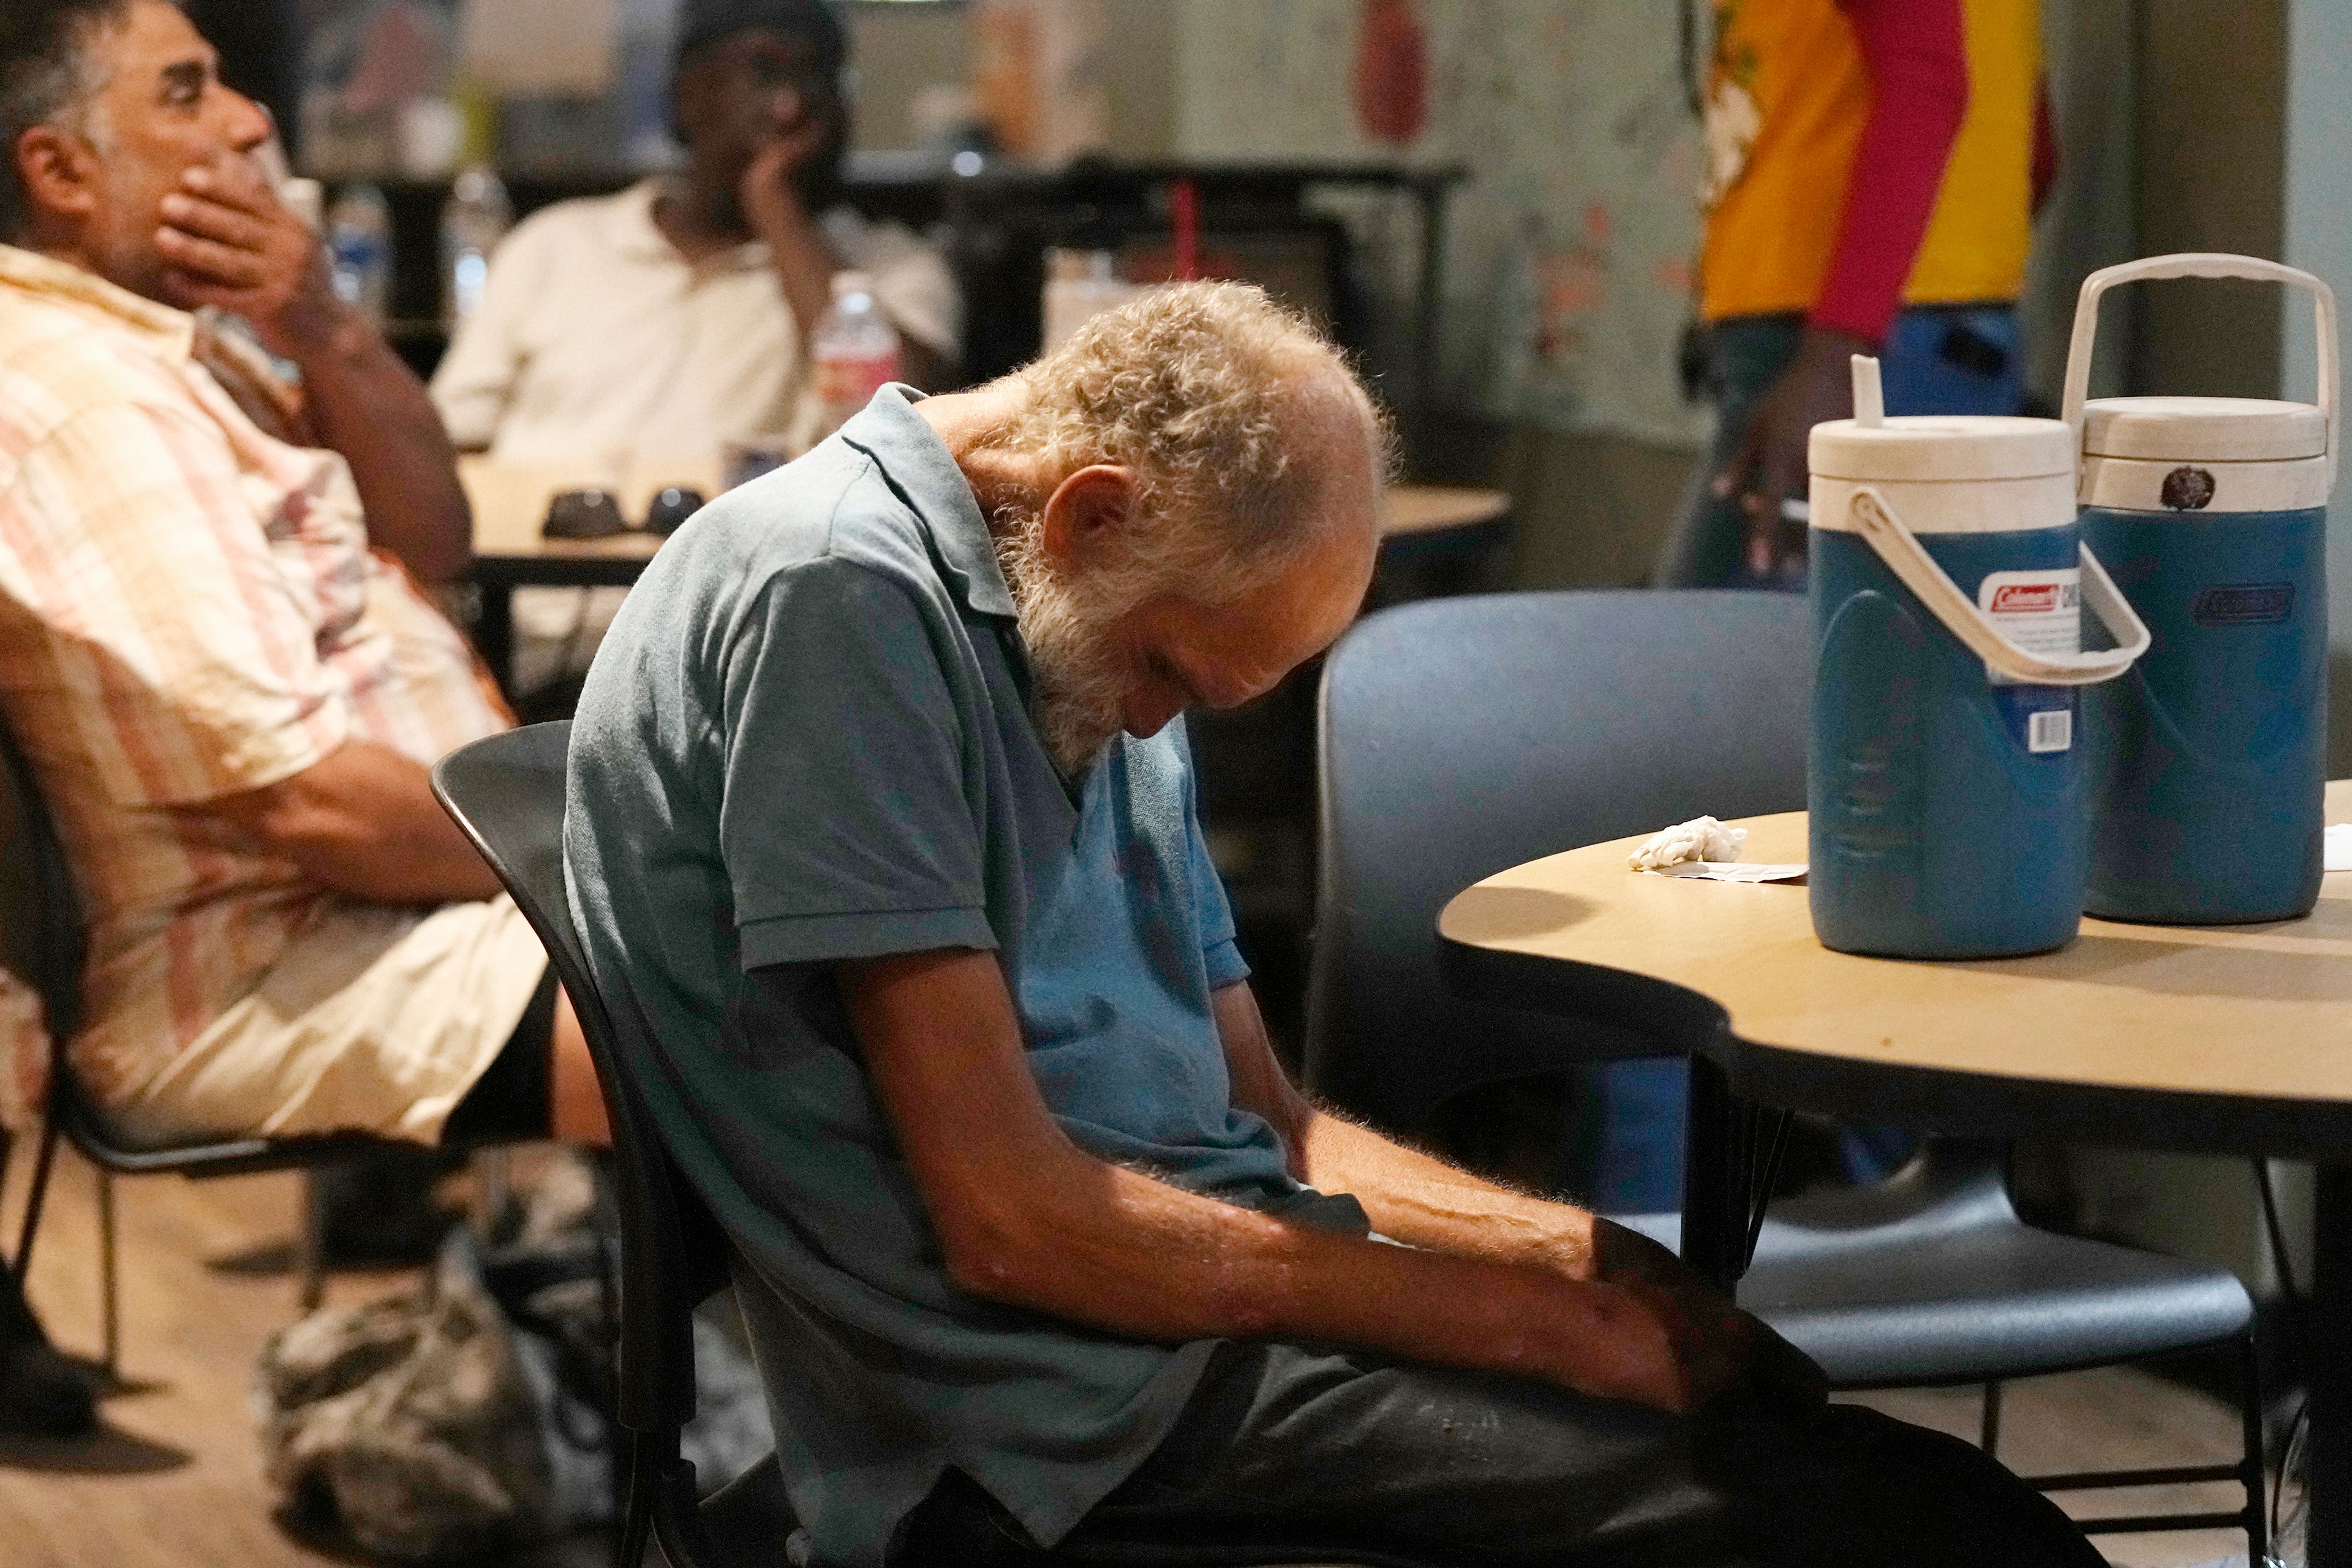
point(1214, 395)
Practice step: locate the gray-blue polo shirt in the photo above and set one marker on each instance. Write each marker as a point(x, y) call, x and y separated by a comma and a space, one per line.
point(807, 739)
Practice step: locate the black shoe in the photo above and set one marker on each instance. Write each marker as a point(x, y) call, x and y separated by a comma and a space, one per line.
point(377, 1210)
point(43, 1395)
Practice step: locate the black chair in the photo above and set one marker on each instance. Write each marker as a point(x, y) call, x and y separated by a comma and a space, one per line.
point(507, 793)
point(1464, 736)
point(41, 912)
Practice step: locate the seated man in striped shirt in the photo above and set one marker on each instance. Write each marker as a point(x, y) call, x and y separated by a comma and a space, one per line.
point(219, 643)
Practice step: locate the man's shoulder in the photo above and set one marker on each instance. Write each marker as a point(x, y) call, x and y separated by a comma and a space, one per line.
point(56, 366)
point(568, 236)
point(571, 220)
point(828, 518)
point(820, 562)
point(868, 242)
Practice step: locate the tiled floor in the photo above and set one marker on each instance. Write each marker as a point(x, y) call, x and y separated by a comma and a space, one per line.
point(176, 1479)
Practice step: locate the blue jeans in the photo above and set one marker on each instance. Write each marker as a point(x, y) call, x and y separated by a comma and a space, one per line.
point(1938, 359)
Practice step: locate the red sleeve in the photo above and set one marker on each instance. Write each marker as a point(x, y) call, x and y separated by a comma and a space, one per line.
point(1915, 53)
point(2047, 157)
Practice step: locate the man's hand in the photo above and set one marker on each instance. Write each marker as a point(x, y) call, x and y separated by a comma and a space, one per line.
point(1711, 1337)
point(769, 190)
point(1716, 1340)
point(230, 243)
point(1771, 466)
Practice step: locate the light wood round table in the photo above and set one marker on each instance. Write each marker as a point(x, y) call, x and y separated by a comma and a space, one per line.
point(2232, 1039)
point(1416, 509)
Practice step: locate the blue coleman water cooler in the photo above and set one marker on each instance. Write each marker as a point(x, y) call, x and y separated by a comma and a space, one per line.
point(2208, 760)
point(1945, 776)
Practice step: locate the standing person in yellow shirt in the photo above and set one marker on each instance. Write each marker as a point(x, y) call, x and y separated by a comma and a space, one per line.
point(1873, 170)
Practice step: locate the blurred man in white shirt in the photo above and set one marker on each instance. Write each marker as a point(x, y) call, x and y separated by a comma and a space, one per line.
point(638, 336)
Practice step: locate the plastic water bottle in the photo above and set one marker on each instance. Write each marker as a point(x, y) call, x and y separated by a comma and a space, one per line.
point(854, 350)
point(359, 245)
point(2210, 763)
point(474, 219)
point(1948, 585)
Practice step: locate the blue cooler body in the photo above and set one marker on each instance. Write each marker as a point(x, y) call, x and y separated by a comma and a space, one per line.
point(1944, 768)
point(1937, 830)
point(2208, 762)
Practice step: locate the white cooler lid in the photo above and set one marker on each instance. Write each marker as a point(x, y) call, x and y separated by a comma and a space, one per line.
point(1942, 446)
point(2203, 429)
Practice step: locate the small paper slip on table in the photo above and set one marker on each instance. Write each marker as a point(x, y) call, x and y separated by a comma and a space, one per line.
point(1733, 871)
point(2213, 1039)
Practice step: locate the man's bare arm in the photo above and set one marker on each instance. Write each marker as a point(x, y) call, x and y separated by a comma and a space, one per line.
point(1026, 1217)
point(361, 821)
point(803, 257)
point(1408, 1194)
point(232, 244)
point(1425, 1202)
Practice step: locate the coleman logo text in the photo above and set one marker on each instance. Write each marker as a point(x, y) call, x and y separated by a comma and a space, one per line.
point(2032, 598)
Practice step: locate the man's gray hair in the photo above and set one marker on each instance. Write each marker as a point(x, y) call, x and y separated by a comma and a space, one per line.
point(46, 78)
point(1212, 393)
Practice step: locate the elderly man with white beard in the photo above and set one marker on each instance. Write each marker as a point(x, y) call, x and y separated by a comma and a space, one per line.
point(880, 820)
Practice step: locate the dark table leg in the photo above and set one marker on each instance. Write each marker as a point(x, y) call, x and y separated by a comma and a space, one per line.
point(1716, 1180)
point(2327, 1357)
point(494, 633)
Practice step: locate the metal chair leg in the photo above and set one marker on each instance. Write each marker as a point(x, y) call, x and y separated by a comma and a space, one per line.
point(2254, 1467)
point(1988, 1433)
point(43, 1163)
point(638, 1482)
point(109, 1276)
point(312, 1245)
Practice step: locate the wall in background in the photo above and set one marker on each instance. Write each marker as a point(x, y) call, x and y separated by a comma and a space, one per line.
point(902, 51)
point(2092, 214)
point(1568, 261)
point(1569, 244)
point(2318, 224)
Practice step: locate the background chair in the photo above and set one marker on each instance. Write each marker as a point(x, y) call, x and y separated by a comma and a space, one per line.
point(41, 926)
point(1464, 736)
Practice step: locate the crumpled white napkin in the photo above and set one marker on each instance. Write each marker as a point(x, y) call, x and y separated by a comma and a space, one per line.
point(2335, 848)
point(1700, 838)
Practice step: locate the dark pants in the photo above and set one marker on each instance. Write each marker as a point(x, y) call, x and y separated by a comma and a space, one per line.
point(1294, 1455)
point(1938, 359)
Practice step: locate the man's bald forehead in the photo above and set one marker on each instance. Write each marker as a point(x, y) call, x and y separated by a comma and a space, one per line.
point(1340, 431)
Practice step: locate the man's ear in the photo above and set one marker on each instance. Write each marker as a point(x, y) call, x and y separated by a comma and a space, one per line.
point(1088, 514)
point(57, 173)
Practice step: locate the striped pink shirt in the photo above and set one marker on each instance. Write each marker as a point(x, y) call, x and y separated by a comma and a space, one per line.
point(188, 609)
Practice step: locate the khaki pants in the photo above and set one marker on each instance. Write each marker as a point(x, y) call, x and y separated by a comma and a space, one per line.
point(378, 1020)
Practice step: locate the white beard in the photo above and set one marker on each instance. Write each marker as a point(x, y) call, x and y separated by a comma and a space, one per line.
point(1080, 688)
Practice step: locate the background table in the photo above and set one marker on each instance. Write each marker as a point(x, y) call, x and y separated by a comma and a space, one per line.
point(2233, 1040)
point(510, 503)
point(1448, 525)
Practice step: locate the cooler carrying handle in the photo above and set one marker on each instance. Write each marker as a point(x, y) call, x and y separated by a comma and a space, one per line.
point(2201, 264)
point(1904, 556)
